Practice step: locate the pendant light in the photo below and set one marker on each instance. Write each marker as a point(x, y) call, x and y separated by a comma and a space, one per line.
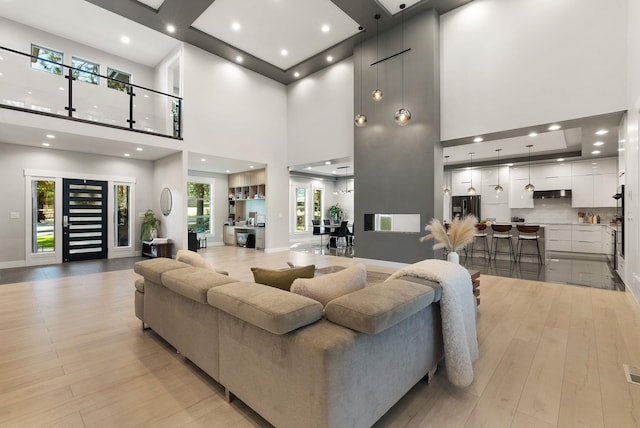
point(529, 187)
point(471, 190)
point(346, 189)
point(403, 115)
point(360, 119)
point(377, 93)
point(447, 191)
point(498, 188)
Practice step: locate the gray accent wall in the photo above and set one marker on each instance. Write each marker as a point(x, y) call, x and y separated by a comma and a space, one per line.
point(398, 170)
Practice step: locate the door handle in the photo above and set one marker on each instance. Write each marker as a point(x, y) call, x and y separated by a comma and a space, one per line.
point(65, 221)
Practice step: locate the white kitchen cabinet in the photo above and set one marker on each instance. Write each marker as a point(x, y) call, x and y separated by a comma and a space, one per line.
point(586, 239)
point(595, 166)
point(518, 197)
point(582, 191)
point(461, 181)
point(489, 183)
point(557, 238)
point(520, 172)
point(589, 191)
point(552, 170)
point(605, 186)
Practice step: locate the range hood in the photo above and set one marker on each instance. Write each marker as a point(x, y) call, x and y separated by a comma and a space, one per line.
point(551, 194)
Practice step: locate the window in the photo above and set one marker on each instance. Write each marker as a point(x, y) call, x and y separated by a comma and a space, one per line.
point(121, 79)
point(122, 194)
point(317, 204)
point(43, 216)
point(199, 207)
point(301, 208)
point(46, 59)
point(86, 71)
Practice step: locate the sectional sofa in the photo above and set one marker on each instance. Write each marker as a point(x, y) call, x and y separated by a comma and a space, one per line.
point(284, 355)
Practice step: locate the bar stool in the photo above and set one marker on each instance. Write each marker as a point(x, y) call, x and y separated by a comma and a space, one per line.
point(528, 233)
point(481, 233)
point(502, 231)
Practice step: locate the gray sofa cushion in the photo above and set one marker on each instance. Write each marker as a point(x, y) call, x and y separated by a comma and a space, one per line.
point(139, 284)
point(269, 308)
point(193, 282)
point(154, 268)
point(379, 306)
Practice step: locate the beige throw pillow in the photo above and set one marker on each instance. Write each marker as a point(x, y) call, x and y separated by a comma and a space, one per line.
point(328, 287)
point(196, 260)
point(282, 278)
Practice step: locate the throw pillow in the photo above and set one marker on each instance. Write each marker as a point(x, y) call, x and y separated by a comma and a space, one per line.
point(328, 287)
point(282, 278)
point(196, 260)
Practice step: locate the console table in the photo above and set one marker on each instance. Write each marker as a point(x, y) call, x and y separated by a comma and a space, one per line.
point(151, 249)
point(475, 280)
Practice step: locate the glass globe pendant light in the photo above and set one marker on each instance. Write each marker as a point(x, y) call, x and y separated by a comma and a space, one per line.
point(471, 190)
point(529, 187)
point(446, 190)
point(403, 115)
point(498, 188)
point(377, 93)
point(360, 119)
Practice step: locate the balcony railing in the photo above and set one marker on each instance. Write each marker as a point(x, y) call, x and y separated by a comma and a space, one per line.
point(108, 102)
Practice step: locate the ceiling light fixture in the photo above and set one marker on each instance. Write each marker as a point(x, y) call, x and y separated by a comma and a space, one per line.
point(533, 134)
point(345, 190)
point(327, 162)
point(498, 188)
point(126, 155)
point(284, 52)
point(560, 160)
point(478, 140)
point(51, 136)
point(126, 40)
point(329, 58)
point(471, 190)
point(598, 143)
point(235, 26)
point(361, 119)
point(553, 127)
point(46, 144)
point(403, 115)
point(251, 166)
point(325, 28)
point(377, 93)
point(203, 160)
point(296, 74)
point(239, 59)
point(446, 190)
point(529, 187)
point(171, 28)
point(139, 149)
point(601, 132)
point(595, 152)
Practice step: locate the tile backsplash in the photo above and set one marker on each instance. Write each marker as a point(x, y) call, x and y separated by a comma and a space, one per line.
point(559, 211)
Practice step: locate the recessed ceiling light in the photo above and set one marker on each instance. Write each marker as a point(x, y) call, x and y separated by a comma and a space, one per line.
point(327, 163)
point(126, 155)
point(46, 144)
point(533, 134)
point(61, 88)
point(309, 168)
point(329, 58)
point(601, 131)
point(235, 26)
point(228, 171)
point(51, 136)
point(171, 28)
point(139, 149)
point(29, 92)
point(478, 140)
point(325, 28)
point(623, 140)
point(296, 74)
point(238, 58)
point(621, 149)
point(126, 40)
point(560, 159)
point(146, 95)
point(1, 58)
point(334, 172)
point(1, 74)
point(595, 152)
point(598, 143)
point(554, 127)
point(203, 160)
point(509, 164)
point(146, 118)
point(251, 166)
point(284, 52)
point(95, 106)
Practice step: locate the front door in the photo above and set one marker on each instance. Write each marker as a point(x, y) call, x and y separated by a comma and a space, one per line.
point(84, 220)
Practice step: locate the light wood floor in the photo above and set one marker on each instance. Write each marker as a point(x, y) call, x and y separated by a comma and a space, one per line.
point(74, 355)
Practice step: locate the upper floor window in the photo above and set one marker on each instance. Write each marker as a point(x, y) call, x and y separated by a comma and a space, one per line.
point(46, 59)
point(121, 79)
point(85, 71)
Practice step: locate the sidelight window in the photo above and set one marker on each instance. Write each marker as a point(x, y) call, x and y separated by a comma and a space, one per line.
point(301, 209)
point(199, 207)
point(43, 216)
point(122, 194)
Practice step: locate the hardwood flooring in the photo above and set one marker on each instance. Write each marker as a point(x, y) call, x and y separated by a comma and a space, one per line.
point(74, 355)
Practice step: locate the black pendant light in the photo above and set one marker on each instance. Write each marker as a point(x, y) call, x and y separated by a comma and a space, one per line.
point(471, 190)
point(447, 191)
point(360, 119)
point(377, 93)
point(403, 115)
point(529, 187)
point(498, 188)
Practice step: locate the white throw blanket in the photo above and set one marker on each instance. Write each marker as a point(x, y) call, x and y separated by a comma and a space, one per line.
point(458, 309)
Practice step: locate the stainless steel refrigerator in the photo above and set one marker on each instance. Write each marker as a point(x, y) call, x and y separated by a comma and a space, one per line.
point(462, 206)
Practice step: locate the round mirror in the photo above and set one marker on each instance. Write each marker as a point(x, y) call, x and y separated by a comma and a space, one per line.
point(165, 201)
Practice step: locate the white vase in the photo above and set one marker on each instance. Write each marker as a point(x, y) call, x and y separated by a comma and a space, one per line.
point(453, 257)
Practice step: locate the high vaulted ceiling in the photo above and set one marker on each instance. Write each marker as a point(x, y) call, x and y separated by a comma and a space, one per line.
point(282, 39)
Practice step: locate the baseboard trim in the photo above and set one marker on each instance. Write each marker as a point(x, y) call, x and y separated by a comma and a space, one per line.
point(14, 264)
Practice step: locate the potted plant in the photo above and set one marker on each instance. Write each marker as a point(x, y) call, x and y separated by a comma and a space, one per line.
point(149, 229)
point(335, 212)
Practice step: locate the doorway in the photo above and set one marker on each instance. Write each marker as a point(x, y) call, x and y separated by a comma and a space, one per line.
point(84, 220)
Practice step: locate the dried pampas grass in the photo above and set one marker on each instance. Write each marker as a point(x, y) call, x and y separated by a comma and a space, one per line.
point(459, 234)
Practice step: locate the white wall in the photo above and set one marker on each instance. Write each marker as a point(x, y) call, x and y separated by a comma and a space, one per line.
point(510, 64)
point(171, 172)
point(320, 115)
point(632, 155)
point(14, 159)
point(235, 113)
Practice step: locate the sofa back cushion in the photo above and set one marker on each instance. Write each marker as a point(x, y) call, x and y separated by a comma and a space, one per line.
point(282, 278)
point(379, 306)
point(154, 268)
point(193, 282)
point(269, 308)
point(330, 286)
